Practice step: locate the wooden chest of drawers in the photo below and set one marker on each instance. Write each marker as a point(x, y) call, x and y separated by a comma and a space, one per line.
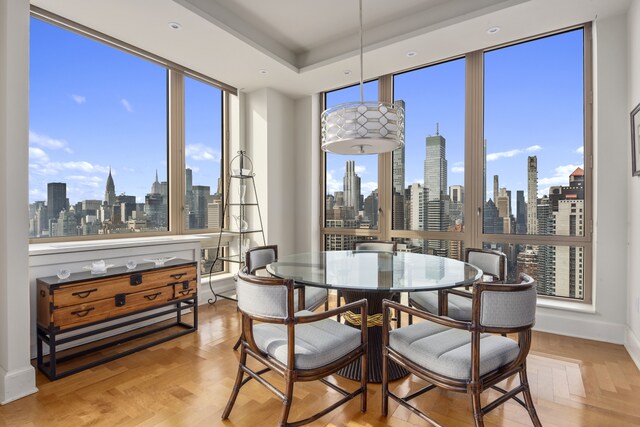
point(85, 300)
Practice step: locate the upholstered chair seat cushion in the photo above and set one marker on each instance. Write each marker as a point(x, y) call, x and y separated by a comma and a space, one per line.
point(317, 344)
point(447, 351)
point(459, 307)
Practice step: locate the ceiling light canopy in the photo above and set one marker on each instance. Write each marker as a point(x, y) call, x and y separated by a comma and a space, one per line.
point(370, 127)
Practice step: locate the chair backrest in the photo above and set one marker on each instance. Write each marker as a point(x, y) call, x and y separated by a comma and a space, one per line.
point(509, 306)
point(489, 261)
point(375, 245)
point(260, 257)
point(264, 296)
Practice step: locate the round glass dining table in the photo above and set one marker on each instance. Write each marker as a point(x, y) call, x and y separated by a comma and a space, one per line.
point(374, 276)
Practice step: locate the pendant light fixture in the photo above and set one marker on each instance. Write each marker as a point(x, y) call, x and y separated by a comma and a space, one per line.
point(369, 127)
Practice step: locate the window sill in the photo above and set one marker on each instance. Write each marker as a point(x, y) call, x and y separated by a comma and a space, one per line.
point(556, 304)
point(206, 240)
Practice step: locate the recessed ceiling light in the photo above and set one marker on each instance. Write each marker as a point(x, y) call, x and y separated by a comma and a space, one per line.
point(493, 30)
point(347, 72)
point(175, 25)
point(411, 54)
point(263, 71)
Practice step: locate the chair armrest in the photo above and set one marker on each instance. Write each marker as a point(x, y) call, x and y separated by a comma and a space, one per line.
point(362, 304)
point(457, 292)
point(446, 321)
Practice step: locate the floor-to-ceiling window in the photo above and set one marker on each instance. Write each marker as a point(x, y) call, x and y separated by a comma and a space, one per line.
point(497, 155)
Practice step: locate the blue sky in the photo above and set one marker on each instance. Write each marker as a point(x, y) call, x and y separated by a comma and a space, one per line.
point(93, 107)
point(533, 106)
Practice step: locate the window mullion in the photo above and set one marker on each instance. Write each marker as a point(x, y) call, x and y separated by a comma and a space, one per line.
point(176, 135)
point(474, 152)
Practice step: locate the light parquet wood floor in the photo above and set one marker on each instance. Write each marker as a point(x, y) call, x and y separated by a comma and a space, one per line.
point(186, 382)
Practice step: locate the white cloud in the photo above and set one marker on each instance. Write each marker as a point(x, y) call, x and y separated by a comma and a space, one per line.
point(38, 155)
point(37, 194)
point(48, 142)
point(511, 153)
point(560, 177)
point(580, 150)
point(457, 167)
point(201, 152)
point(360, 169)
point(367, 187)
point(127, 105)
point(333, 185)
point(503, 154)
point(78, 99)
point(82, 166)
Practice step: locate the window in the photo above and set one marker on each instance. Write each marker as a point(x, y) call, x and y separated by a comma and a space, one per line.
point(495, 156)
point(428, 173)
point(351, 182)
point(203, 142)
point(107, 153)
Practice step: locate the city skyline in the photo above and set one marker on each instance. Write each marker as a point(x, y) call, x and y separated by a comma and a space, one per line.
point(434, 100)
point(109, 112)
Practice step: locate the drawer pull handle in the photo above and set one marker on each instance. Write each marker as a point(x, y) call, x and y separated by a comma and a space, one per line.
point(152, 296)
point(83, 294)
point(177, 276)
point(82, 313)
point(185, 292)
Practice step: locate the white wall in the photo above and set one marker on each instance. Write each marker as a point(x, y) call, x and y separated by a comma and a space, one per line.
point(270, 143)
point(17, 376)
point(632, 341)
point(307, 162)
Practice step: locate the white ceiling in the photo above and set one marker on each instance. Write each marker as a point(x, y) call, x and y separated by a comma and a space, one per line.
point(306, 45)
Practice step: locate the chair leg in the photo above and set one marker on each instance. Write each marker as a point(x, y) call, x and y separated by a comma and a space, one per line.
point(527, 398)
point(477, 408)
point(385, 383)
point(339, 295)
point(236, 386)
point(286, 403)
point(364, 374)
point(237, 344)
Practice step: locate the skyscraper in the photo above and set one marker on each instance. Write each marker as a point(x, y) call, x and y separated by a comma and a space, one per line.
point(435, 167)
point(521, 213)
point(56, 198)
point(496, 190)
point(110, 191)
point(351, 183)
point(435, 192)
point(532, 195)
point(398, 208)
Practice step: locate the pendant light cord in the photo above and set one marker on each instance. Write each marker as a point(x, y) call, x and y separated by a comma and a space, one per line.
point(361, 61)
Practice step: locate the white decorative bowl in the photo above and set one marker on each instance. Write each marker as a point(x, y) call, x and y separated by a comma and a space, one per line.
point(159, 262)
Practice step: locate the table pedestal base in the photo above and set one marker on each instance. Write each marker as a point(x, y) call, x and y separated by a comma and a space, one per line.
point(374, 349)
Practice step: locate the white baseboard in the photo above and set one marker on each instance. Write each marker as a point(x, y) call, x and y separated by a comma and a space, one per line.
point(17, 384)
point(632, 344)
point(581, 326)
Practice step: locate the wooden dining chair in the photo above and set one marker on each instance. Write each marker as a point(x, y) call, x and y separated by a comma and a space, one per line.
point(492, 263)
point(298, 346)
point(461, 356)
point(307, 297)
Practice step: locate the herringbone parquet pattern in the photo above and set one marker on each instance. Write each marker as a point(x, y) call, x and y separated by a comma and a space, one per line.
point(186, 382)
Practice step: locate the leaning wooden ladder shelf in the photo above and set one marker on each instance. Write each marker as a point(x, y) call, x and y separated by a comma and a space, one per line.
point(74, 310)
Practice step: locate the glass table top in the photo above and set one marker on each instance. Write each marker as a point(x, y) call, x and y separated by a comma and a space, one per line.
point(375, 271)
